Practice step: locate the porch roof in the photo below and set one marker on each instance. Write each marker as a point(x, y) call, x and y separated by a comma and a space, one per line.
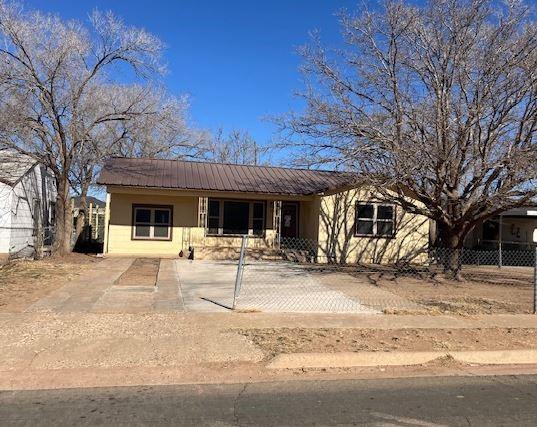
point(187, 175)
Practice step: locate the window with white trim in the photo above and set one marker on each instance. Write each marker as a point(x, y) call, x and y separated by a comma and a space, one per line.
point(236, 217)
point(374, 220)
point(152, 223)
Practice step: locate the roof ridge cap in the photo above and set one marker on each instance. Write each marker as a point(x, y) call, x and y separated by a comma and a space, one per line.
point(234, 164)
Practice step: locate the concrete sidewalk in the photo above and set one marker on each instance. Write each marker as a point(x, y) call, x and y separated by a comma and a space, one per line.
point(330, 320)
point(63, 344)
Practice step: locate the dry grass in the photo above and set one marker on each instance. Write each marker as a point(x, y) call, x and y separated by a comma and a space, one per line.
point(24, 282)
point(275, 341)
point(142, 272)
point(483, 290)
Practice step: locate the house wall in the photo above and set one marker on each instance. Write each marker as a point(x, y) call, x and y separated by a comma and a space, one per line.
point(20, 214)
point(518, 230)
point(185, 232)
point(328, 219)
point(185, 220)
point(309, 219)
point(337, 240)
point(5, 220)
point(517, 233)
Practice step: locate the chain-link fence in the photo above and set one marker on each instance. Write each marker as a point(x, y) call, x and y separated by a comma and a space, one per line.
point(300, 275)
point(309, 251)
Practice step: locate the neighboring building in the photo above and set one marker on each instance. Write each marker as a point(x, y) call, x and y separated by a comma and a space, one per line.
point(27, 206)
point(163, 207)
point(513, 230)
point(94, 218)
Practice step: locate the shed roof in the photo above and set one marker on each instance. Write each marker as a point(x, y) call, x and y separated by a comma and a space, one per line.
point(90, 199)
point(187, 175)
point(13, 166)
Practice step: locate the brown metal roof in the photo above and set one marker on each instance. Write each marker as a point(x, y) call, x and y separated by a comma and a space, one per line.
point(176, 174)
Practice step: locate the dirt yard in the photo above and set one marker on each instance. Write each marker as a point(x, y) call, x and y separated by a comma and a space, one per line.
point(331, 340)
point(484, 290)
point(24, 282)
point(142, 272)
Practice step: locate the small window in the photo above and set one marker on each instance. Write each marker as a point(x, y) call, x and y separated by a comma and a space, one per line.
point(153, 223)
point(376, 220)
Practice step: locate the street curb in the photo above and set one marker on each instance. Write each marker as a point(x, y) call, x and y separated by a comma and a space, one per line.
point(399, 358)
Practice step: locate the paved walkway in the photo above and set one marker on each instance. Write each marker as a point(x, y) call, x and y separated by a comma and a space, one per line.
point(97, 292)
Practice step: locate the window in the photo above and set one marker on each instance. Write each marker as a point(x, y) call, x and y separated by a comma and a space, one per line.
point(233, 217)
point(152, 222)
point(258, 219)
point(213, 223)
point(236, 217)
point(377, 220)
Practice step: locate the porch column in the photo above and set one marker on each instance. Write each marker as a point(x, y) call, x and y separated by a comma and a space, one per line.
point(202, 212)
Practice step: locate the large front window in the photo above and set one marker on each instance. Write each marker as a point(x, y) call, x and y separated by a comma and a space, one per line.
point(234, 217)
point(152, 222)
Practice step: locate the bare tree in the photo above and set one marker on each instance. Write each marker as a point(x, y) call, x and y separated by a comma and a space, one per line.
point(437, 102)
point(237, 147)
point(54, 89)
point(141, 121)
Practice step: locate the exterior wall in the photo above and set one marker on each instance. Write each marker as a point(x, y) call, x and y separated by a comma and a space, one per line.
point(517, 233)
point(185, 219)
point(338, 243)
point(22, 207)
point(6, 194)
point(328, 220)
point(309, 212)
point(518, 230)
point(185, 232)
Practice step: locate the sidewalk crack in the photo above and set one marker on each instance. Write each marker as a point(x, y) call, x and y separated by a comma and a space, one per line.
point(236, 403)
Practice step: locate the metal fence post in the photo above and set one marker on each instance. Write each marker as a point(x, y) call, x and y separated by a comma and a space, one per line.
point(240, 269)
point(535, 283)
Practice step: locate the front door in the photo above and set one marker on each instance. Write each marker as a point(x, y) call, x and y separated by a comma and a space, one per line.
point(289, 219)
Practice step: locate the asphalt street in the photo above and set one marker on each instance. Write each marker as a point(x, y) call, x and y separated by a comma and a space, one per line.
point(435, 401)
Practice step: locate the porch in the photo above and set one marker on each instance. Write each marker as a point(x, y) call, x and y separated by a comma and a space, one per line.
point(269, 224)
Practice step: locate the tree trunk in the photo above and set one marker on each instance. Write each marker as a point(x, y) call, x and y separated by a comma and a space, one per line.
point(449, 251)
point(82, 206)
point(64, 219)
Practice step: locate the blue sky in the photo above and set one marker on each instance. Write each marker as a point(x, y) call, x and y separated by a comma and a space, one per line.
point(236, 59)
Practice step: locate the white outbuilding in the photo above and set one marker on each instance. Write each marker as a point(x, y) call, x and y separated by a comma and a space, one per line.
point(27, 206)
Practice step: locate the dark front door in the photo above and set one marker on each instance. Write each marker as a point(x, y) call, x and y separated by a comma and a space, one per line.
point(289, 219)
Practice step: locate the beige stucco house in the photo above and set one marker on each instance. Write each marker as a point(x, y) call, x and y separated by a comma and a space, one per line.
point(166, 207)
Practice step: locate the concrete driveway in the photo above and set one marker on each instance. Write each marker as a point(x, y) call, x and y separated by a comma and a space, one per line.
point(119, 285)
point(266, 286)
